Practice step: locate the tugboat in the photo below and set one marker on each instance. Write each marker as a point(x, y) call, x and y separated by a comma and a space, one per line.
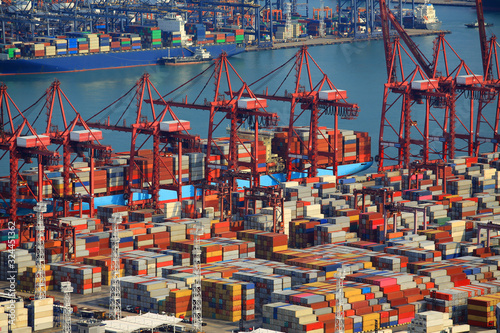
point(200, 55)
point(476, 24)
point(425, 17)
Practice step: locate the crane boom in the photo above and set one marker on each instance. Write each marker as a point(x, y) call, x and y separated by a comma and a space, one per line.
point(387, 40)
point(483, 40)
point(385, 14)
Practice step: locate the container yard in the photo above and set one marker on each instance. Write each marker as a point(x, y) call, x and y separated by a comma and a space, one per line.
point(287, 223)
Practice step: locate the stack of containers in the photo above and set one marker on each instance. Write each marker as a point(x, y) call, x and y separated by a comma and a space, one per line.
point(147, 292)
point(50, 50)
point(349, 145)
point(82, 186)
point(176, 38)
point(302, 233)
point(432, 322)
point(124, 43)
point(363, 142)
point(28, 278)
point(179, 302)
point(104, 262)
point(481, 310)
point(93, 43)
point(185, 167)
point(145, 262)
point(220, 37)
point(227, 299)
point(152, 37)
point(239, 36)
point(266, 243)
point(230, 37)
point(104, 43)
point(72, 46)
point(115, 45)
point(61, 46)
point(196, 166)
point(19, 322)
point(460, 210)
point(116, 178)
point(83, 45)
point(106, 211)
point(265, 284)
point(40, 314)
point(283, 317)
point(23, 259)
point(85, 279)
point(135, 42)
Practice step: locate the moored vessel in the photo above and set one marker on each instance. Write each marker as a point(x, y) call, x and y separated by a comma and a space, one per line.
point(199, 56)
point(425, 17)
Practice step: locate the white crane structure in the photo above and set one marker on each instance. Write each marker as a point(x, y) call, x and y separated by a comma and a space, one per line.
point(40, 278)
point(115, 303)
point(339, 300)
point(67, 289)
point(197, 298)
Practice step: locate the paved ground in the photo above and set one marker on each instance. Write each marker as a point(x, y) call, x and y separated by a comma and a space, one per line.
point(329, 40)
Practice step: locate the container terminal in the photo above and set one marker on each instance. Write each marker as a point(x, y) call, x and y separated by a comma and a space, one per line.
point(72, 36)
point(273, 227)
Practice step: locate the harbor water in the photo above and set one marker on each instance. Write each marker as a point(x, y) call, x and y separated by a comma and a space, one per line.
point(356, 67)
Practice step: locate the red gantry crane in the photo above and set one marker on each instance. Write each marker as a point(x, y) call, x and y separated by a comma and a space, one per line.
point(321, 98)
point(21, 141)
point(84, 143)
point(153, 124)
point(241, 108)
point(431, 135)
point(491, 72)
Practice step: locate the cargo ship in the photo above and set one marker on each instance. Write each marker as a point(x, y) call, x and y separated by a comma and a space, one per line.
point(110, 180)
point(425, 17)
point(137, 46)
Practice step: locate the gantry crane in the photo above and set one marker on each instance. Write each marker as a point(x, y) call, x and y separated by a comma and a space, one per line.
point(384, 193)
point(436, 91)
point(153, 125)
point(321, 98)
point(80, 142)
point(273, 197)
point(239, 111)
point(491, 72)
point(21, 141)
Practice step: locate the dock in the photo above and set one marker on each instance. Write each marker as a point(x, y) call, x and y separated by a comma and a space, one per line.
point(332, 40)
point(459, 3)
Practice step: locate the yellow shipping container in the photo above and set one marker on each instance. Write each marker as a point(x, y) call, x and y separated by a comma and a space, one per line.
point(349, 291)
point(481, 318)
point(356, 298)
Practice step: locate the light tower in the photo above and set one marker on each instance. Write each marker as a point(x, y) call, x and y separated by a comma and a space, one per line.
point(197, 299)
point(115, 303)
point(339, 300)
point(67, 289)
point(40, 279)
